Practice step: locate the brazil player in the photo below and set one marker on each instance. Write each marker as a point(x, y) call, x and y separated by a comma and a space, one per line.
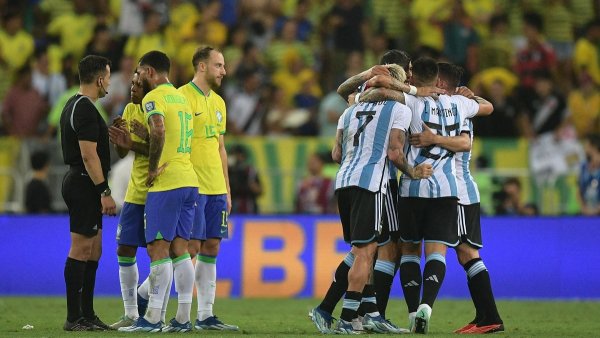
point(209, 158)
point(487, 319)
point(171, 195)
point(130, 232)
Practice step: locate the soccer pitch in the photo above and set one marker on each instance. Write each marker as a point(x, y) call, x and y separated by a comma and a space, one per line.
point(289, 317)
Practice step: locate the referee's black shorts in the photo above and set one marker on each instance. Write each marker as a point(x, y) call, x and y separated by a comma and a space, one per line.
point(469, 224)
point(360, 213)
point(83, 202)
point(429, 219)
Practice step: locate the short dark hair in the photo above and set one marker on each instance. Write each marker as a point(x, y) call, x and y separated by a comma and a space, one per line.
point(39, 159)
point(534, 19)
point(450, 73)
point(425, 69)
point(201, 54)
point(399, 57)
point(157, 60)
point(91, 66)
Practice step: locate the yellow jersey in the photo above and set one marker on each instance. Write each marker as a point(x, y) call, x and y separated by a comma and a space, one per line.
point(165, 100)
point(17, 49)
point(136, 188)
point(209, 123)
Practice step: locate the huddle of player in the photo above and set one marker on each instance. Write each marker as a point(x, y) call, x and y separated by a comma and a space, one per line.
point(412, 117)
point(177, 199)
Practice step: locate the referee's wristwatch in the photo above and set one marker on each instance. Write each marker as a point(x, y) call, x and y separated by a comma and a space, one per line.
point(105, 193)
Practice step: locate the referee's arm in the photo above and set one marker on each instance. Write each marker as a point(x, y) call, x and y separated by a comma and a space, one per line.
point(91, 161)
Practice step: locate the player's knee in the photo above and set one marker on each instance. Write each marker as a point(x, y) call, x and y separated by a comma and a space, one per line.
point(388, 252)
point(126, 251)
point(211, 247)
point(466, 253)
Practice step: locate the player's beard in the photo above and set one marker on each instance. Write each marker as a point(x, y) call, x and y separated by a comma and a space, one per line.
point(214, 83)
point(146, 87)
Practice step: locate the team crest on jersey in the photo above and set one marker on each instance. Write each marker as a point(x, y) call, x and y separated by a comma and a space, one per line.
point(219, 116)
point(150, 106)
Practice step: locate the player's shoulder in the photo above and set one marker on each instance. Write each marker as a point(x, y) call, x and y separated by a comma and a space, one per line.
point(130, 109)
point(218, 99)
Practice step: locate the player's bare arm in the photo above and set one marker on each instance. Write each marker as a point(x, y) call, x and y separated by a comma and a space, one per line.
point(427, 137)
point(381, 94)
point(350, 85)
point(139, 130)
point(224, 164)
point(395, 154)
point(91, 161)
point(121, 138)
point(336, 153)
point(395, 84)
point(485, 107)
point(157, 142)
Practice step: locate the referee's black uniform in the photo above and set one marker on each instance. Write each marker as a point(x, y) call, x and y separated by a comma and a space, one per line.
point(81, 121)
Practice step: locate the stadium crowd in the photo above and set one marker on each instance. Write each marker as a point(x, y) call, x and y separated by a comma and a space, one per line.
point(537, 61)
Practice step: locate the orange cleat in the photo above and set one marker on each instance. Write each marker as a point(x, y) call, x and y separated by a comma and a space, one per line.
point(493, 328)
point(465, 328)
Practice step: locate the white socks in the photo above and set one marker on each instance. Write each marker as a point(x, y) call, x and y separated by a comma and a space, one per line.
point(161, 277)
point(128, 276)
point(206, 284)
point(184, 285)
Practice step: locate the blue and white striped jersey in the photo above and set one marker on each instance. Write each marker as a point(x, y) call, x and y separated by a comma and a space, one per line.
point(467, 187)
point(365, 137)
point(445, 116)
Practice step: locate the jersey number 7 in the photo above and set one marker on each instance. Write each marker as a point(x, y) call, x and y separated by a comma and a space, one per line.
point(369, 114)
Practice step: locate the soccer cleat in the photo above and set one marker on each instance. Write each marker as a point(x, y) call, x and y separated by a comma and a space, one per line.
point(142, 305)
point(124, 321)
point(323, 320)
point(213, 323)
point(344, 327)
point(493, 328)
point(79, 325)
point(465, 328)
point(422, 319)
point(380, 325)
point(411, 321)
point(175, 326)
point(98, 324)
point(142, 325)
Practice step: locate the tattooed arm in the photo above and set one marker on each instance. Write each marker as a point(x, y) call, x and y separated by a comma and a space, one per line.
point(157, 141)
point(349, 86)
point(395, 154)
point(381, 94)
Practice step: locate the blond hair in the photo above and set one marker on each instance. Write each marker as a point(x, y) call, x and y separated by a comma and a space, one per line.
point(396, 72)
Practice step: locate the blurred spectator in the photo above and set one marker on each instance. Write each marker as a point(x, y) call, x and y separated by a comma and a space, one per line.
point(286, 45)
point(300, 17)
point(481, 12)
point(278, 111)
point(537, 55)
point(294, 75)
point(497, 50)
point(377, 45)
point(558, 23)
point(428, 18)
point(251, 62)
point(393, 18)
point(547, 109)
point(38, 199)
point(74, 29)
point(331, 108)
point(460, 40)
point(183, 17)
point(503, 122)
point(210, 18)
point(244, 115)
point(243, 181)
point(314, 194)
point(508, 201)
point(582, 11)
point(131, 19)
point(151, 39)
point(16, 45)
point(584, 106)
point(102, 44)
point(585, 56)
point(119, 178)
point(589, 177)
point(23, 107)
point(234, 50)
point(49, 85)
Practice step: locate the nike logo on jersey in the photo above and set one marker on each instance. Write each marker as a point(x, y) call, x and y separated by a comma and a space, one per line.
point(197, 114)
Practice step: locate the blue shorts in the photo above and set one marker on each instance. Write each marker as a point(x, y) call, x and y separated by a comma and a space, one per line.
point(210, 220)
point(131, 225)
point(170, 214)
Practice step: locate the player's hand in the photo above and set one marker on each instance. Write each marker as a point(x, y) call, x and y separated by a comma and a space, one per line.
point(139, 130)
point(109, 207)
point(378, 70)
point(380, 81)
point(466, 92)
point(422, 171)
point(422, 139)
point(153, 174)
point(119, 122)
point(120, 137)
point(430, 91)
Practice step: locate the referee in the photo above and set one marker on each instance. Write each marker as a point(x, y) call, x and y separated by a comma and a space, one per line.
point(84, 138)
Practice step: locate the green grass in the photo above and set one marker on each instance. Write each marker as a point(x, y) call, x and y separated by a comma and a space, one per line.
point(288, 318)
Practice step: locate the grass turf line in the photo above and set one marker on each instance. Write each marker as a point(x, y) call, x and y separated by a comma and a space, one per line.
point(288, 317)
